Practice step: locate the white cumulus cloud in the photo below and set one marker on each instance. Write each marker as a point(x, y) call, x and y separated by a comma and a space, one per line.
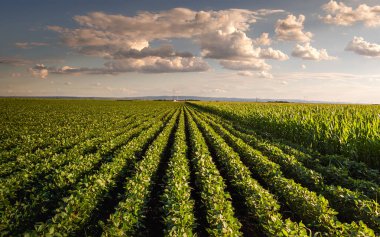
point(220, 45)
point(360, 46)
point(158, 65)
point(103, 34)
point(307, 52)
point(261, 74)
point(291, 29)
point(269, 53)
point(263, 40)
point(339, 13)
point(125, 41)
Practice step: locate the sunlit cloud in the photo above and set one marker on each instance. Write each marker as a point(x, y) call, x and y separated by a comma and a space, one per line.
point(262, 74)
point(126, 40)
point(291, 29)
point(208, 49)
point(158, 65)
point(359, 46)
point(263, 40)
point(269, 53)
point(338, 13)
point(307, 52)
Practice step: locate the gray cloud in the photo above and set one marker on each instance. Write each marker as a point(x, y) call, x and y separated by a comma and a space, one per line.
point(14, 61)
point(164, 51)
point(40, 71)
point(28, 45)
point(143, 65)
point(68, 70)
point(16, 74)
point(110, 52)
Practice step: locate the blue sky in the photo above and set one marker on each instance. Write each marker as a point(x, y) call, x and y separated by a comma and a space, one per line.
point(314, 50)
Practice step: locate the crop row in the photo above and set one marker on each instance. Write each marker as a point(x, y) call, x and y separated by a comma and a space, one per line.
point(48, 129)
point(77, 209)
point(20, 181)
point(38, 202)
point(130, 212)
point(351, 205)
point(27, 160)
point(334, 168)
point(312, 209)
point(177, 204)
point(262, 205)
point(52, 138)
point(173, 169)
point(220, 216)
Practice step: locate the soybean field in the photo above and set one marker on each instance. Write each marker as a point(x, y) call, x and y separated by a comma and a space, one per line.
point(162, 168)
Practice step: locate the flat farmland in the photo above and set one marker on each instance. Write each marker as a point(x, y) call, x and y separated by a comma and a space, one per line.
point(162, 168)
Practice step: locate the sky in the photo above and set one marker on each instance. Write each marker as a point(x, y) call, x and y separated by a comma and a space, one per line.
point(291, 49)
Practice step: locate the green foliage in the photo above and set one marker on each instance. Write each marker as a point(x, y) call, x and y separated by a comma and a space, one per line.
point(220, 213)
point(74, 167)
point(261, 204)
point(131, 211)
point(314, 210)
point(352, 205)
point(351, 130)
point(177, 205)
point(55, 183)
